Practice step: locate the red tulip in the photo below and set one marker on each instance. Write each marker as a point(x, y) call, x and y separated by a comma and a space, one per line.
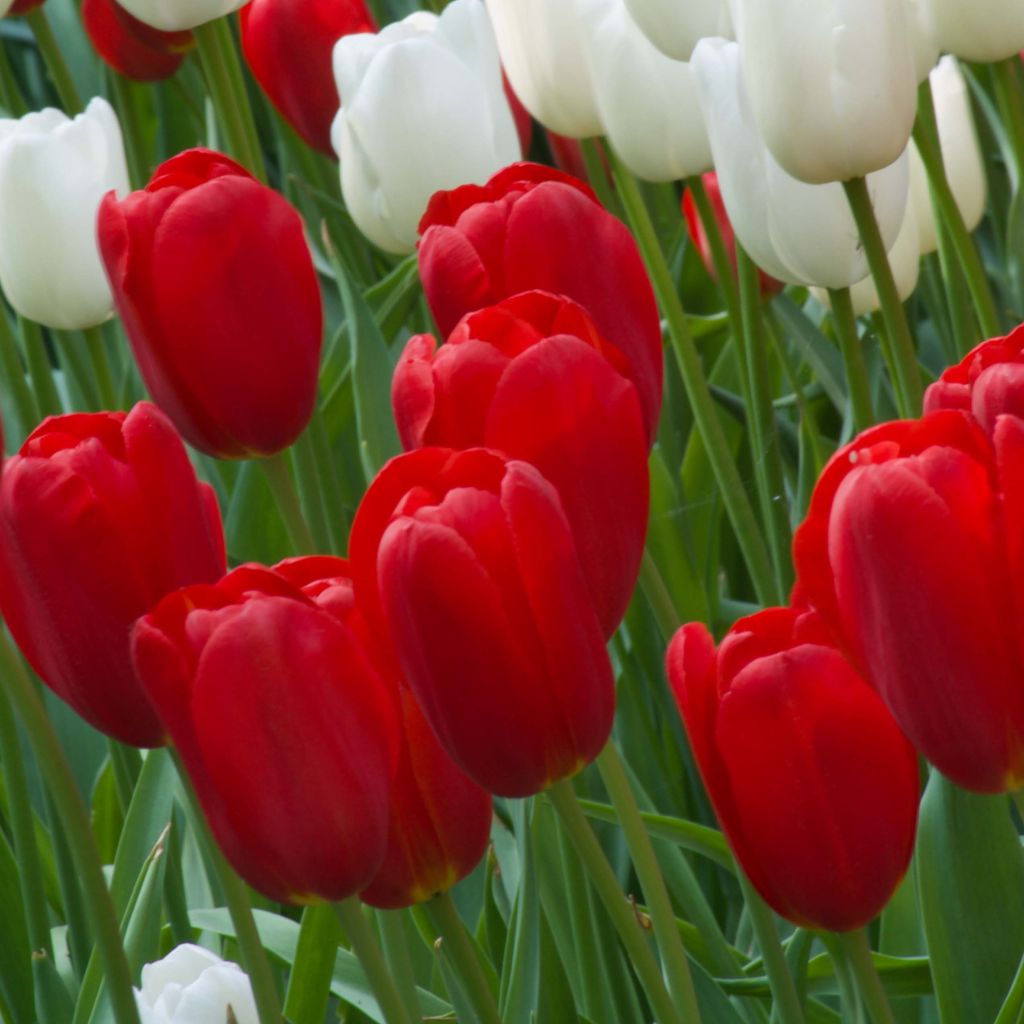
point(287, 732)
point(535, 227)
point(24, 6)
point(440, 820)
point(913, 549)
point(288, 44)
point(131, 47)
point(532, 378)
point(215, 283)
point(488, 612)
point(101, 515)
point(812, 781)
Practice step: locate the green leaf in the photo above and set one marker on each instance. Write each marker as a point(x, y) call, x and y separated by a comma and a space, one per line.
point(820, 354)
point(15, 964)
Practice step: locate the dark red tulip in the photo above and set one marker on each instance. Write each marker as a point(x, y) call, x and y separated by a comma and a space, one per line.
point(811, 779)
point(24, 6)
point(521, 116)
point(913, 549)
point(532, 378)
point(215, 284)
point(101, 515)
point(288, 733)
point(534, 227)
point(467, 559)
point(288, 45)
point(131, 47)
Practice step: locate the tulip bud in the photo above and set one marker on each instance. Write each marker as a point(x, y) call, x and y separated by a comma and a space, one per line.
point(911, 550)
point(422, 109)
point(131, 47)
point(676, 28)
point(215, 283)
point(24, 6)
point(101, 515)
point(179, 15)
point(982, 30)
point(832, 87)
point(53, 172)
point(288, 45)
point(922, 35)
point(532, 378)
point(193, 986)
point(533, 227)
point(811, 779)
point(287, 732)
point(468, 563)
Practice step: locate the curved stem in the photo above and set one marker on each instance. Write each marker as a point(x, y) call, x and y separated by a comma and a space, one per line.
point(853, 358)
point(275, 468)
point(719, 254)
point(50, 50)
point(858, 953)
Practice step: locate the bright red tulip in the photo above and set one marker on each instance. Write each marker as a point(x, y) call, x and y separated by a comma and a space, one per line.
point(535, 227)
point(101, 515)
point(288, 44)
point(913, 549)
point(215, 284)
point(131, 47)
point(811, 779)
point(468, 560)
point(288, 733)
point(440, 819)
point(532, 378)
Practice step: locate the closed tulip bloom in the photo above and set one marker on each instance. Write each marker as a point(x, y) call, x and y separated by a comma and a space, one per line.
point(54, 170)
point(811, 779)
point(982, 30)
point(191, 985)
point(541, 45)
point(288, 733)
point(532, 378)
point(22, 6)
point(215, 284)
point(288, 45)
point(832, 87)
point(676, 28)
point(422, 109)
point(532, 227)
point(101, 515)
point(796, 232)
point(922, 34)
point(912, 550)
point(131, 47)
point(467, 560)
point(179, 15)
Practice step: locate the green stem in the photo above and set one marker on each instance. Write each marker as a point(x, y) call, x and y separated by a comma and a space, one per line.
point(926, 135)
point(10, 94)
point(445, 919)
point(310, 488)
point(40, 369)
point(236, 895)
point(597, 173)
point(76, 916)
point(49, 48)
point(126, 764)
point(622, 915)
point(75, 821)
point(719, 255)
point(395, 946)
point(857, 951)
point(279, 478)
point(897, 343)
point(653, 585)
point(11, 366)
point(134, 134)
point(849, 999)
point(737, 504)
point(101, 367)
point(853, 358)
point(367, 949)
point(1011, 106)
point(309, 989)
point(666, 930)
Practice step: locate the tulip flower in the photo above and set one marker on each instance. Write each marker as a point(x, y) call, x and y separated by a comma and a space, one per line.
point(647, 102)
point(832, 87)
point(101, 515)
point(982, 30)
point(811, 779)
point(798, 233)
point(131, 47)
point(288, 45)
point(422, 109)
point(912, 551)
point(54, 170)
point(23, 6)
point(191, 985)
point(922, 35)
point(532, 378)
point(467, 561)
point(179, 15)
point(215, 283)
point(534, 227)
point(440, 819)
point(676, 28)
point(287, 732)
point(541, 46)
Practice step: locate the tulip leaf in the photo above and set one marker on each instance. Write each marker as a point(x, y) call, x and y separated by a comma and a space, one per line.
point(15, 961)
point(820, 354)
point(970, 874)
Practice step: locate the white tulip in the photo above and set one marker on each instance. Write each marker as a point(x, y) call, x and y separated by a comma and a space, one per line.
point(178, 15)
point(979, 30)
point(800, 233)
point(674, 27)
point(422, 109)
point(542, 53)
point(647, 102)
point(53, 173)
point(193, 986)
point(832, 85)
point(922, 36)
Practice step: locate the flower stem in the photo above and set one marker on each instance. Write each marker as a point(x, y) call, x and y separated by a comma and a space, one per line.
point(57, 66)
point(275, 468)
point(1011, 105)
point(853, 358)
point(719, 255)
point(101, 367)
point(40, 369)
point(858, 953)
point(25, 405)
